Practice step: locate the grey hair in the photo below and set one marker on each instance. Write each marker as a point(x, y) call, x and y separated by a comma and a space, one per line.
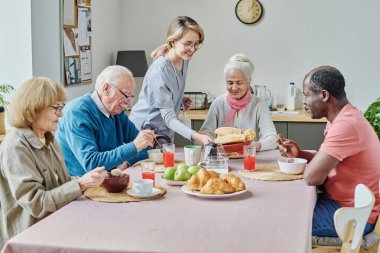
point(112, 74)
point(240, 62)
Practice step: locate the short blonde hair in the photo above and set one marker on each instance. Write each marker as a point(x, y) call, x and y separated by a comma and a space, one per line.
point(240, 62)
point(32, 97)
point(177, 28)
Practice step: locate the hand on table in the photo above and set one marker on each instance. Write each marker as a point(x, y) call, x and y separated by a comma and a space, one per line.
point(287, 148)
point(92, 178)
point(144, 139)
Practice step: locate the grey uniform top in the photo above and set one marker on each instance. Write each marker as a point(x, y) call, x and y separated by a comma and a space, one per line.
point(255, 116)
point(33, 181)
point(160, 100)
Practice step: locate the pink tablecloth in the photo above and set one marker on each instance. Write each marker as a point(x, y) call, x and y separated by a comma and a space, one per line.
point(271, 217)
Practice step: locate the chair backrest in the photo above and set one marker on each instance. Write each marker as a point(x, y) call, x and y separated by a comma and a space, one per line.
point(351, 221)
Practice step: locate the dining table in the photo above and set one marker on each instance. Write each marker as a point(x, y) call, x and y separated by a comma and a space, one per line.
point(271, 216)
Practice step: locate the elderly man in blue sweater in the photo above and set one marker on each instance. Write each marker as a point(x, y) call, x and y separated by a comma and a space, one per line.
point(95, 131)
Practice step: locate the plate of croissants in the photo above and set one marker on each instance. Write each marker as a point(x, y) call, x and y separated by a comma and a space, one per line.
point(209, 184)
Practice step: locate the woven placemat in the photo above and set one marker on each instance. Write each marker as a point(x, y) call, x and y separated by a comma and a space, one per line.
point(159, 168)
point(269, 173)
point(102, 195)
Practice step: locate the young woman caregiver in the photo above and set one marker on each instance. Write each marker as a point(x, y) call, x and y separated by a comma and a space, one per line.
point(162, 93)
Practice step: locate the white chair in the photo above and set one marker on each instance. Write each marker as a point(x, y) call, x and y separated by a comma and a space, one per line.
point(350, 221)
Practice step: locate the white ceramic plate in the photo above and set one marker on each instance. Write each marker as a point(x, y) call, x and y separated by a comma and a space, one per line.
point(154, 192)
point(173, 182)
point(187, 190)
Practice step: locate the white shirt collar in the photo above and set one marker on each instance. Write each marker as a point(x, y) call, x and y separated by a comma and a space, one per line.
point(95, 97)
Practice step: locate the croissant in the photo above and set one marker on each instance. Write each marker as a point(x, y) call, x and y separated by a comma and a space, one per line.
point(235, 182)
point(249, 134)
point(199, 179)
point(217, 186)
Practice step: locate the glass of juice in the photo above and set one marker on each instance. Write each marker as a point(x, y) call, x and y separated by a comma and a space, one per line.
point(249, 157)
point(169, 149)
point(147, 170)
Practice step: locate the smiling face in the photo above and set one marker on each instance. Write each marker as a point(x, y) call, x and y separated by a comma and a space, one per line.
point(186, 46)
point(313, 102)
point(237, 84)
point(47, 119)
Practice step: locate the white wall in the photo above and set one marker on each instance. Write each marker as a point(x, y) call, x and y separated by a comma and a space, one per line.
point(46, 30)
point(292, 38)
point(15, 42)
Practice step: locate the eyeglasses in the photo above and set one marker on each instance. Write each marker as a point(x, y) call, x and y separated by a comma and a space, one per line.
point(127, 98)
point(196, 45)
point(57, 109)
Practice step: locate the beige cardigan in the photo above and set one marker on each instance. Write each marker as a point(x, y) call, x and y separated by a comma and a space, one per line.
point(29, 190)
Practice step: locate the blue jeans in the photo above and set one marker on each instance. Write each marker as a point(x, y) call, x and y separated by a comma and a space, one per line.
point(323, 218)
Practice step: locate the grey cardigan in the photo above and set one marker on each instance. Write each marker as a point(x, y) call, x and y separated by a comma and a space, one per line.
point(29, 190)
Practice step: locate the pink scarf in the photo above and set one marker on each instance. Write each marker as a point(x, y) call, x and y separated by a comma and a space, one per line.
point(236, 105)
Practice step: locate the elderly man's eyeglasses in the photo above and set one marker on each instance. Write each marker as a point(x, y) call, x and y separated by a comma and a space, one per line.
point(127, 98)
point(57, 109)
point(196, 45)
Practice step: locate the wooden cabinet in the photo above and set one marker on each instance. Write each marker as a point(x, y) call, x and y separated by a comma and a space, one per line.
point(308, 135)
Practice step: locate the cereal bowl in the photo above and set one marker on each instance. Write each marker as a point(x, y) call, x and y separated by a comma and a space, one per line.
point(292, 165)
point(156, 155)
point(116, 184)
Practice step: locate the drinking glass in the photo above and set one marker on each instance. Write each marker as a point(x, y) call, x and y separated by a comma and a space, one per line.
point(249, 157)
point(147, 170)
point(280, 103)
point(169, 149)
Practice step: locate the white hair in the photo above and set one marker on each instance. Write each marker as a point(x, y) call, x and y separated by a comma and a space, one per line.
point(240, 62)
point(114, 75)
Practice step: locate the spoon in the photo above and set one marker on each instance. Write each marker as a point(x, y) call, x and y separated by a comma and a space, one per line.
point(158, 144)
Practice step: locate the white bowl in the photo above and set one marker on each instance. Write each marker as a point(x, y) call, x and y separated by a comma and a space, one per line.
point(292, 165)
point(156, 155)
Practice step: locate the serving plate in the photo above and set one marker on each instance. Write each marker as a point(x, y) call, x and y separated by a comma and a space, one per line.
point(189, 191)
point(235, 147)
point(173, 182)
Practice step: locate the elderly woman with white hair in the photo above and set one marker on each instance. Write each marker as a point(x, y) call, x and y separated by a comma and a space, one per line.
point(239, 108)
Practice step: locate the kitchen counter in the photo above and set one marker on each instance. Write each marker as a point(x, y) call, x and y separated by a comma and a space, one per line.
point(302, 116)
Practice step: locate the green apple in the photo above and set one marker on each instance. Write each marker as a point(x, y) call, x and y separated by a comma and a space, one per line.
point(183, 166)
point(182, 174)
point(169, 173)
point(193, 169)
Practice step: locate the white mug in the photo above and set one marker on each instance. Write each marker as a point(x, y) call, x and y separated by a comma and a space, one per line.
point(143, 186)
point(192, 154)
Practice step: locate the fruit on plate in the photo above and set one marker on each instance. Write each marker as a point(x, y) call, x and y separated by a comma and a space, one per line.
point(193, 169)
point(181, 174)
point(183, 166)
point(169, 173)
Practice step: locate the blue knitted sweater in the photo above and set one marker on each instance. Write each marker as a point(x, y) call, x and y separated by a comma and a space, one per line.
point(89, 139)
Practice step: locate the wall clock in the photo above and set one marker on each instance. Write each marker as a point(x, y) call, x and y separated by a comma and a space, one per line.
point(249, 11)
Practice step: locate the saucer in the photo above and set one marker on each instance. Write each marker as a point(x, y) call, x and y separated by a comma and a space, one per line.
point(154, 192)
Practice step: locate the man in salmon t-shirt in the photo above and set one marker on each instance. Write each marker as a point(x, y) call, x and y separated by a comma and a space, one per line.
point(348, 156)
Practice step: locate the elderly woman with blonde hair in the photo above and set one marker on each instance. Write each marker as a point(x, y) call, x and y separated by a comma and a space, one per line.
point(239, 108)
point(33, 179)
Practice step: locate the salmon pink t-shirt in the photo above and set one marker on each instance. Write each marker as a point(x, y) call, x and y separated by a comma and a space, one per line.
point(352, 140)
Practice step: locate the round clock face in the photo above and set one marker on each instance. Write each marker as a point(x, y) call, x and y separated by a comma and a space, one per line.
point(249, 11)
